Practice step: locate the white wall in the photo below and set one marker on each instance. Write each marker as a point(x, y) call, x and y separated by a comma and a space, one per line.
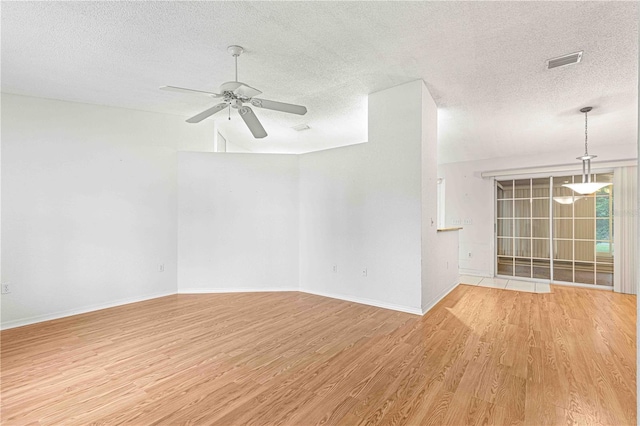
point(360, 207)
point(439, 260)
point(469, 198)
point(358, 222)
point(443, 276)
point(89, 205)
point(237, 222)
point(91, 209)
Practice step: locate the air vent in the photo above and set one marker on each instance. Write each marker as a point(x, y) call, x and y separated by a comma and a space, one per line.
point(563, 61)
point(301, 127)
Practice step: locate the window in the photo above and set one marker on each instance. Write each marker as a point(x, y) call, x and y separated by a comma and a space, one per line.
point(546, 231)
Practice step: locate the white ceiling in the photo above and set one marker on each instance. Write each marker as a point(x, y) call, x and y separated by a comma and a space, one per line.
point(482, 61)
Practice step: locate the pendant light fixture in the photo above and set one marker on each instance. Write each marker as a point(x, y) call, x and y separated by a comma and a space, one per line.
point(567, 199)
point(586, 186)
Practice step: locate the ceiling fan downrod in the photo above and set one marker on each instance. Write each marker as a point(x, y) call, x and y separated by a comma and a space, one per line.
point(235, 51)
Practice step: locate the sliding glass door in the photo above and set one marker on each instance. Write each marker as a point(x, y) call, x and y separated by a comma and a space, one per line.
point(544, 231)
point(523, 228)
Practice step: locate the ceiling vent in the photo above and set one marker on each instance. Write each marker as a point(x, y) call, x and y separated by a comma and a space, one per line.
point(301, 127)
point(563, 61)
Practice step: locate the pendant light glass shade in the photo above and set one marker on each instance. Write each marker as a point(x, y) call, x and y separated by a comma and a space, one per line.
point(586, 186)
point(569, 199)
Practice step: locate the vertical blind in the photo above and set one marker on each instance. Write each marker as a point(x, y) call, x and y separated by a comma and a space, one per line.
point(626, 218)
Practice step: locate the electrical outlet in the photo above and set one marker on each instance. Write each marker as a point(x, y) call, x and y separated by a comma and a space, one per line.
point(469, 254)
point(6, 288)
point(364, 272)
point(335, 269)
point(161, 268)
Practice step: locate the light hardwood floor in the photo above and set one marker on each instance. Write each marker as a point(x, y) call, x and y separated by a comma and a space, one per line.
point(481, 356)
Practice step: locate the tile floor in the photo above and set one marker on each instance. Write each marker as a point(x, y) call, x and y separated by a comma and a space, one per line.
point(507, 284)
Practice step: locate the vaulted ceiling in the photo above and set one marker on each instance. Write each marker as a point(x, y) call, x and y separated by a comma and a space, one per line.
point(484, 63)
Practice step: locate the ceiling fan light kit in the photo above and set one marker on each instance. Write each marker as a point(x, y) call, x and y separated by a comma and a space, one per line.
point(586, 186)
point(234, 95)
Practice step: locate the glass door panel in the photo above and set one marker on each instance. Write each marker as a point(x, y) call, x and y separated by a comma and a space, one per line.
point(563, 249)
point(540, 248)
point(540, 207)
point(563, 228)
point(523, 267)
point(505, 227)
point(604, 274)
point(505, 265)
point(505, 208)
point(522, 228)
point(563, 207)
point(522, 188)
point(541, 269)
point(540, 228)
point(522, 208)
point(523, 247)
point(584, 229)
point(563, 271)
point(505, 246)
point(604, 252)
point(584, 273)
point(540, 188)
point(585, 207)
point(505, 189)
point(584, 251)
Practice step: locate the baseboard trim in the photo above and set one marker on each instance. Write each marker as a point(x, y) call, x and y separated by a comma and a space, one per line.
point(364, 301)
point(72, 312)
point(439, 297)
point(205, 290)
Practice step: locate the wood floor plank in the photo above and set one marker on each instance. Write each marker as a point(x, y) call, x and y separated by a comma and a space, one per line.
point(480, 356)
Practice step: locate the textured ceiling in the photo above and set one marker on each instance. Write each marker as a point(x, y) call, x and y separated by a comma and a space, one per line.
point(482, 61)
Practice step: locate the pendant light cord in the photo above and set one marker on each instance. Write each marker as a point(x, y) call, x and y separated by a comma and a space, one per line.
point(585, 133)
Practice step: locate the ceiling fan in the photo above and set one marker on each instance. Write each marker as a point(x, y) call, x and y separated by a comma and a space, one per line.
point(235, 94)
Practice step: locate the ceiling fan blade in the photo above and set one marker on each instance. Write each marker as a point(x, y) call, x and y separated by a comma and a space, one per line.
point(252, 122)
point(247, 91)
point(192, 91)
point(279, 106)
point(204, 114)
point(239, 89)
